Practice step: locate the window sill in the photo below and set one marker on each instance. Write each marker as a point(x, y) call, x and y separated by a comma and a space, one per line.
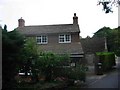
point(64, 42)
point(42, 43)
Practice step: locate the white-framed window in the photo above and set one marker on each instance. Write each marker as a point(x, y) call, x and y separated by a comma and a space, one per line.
point(64, 38)
point(42, 39)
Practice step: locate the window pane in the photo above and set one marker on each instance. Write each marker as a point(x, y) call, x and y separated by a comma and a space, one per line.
point(67, 38)
point(61, 35)
point(41, 39)
point(61, 38)
point(44, 39)
point(38, 40)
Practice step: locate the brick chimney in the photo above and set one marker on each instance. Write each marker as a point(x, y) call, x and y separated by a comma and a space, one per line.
point(75, 19)
point(21, 22)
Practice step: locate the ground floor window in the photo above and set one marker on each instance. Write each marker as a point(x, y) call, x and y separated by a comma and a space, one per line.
point(42, 39)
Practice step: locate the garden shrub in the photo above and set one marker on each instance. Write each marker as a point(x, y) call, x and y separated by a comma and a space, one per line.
point(75, 73)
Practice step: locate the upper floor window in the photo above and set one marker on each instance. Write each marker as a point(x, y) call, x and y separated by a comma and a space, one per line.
point(42, 39)
point(64, 38)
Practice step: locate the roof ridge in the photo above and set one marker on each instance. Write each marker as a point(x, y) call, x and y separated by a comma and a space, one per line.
point(56, 28)
point(48, 25)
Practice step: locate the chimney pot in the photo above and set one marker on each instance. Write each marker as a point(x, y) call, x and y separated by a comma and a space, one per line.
point(74, 14)
point(75, 19)
point(21, 22)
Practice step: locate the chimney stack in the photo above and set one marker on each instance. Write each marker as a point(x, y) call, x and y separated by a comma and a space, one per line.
point(21, 22)
point(75, 19)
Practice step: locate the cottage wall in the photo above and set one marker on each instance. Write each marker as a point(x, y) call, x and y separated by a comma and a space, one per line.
point(54, 38)
point(75, 37)
point(60, 48)
point(90, 58)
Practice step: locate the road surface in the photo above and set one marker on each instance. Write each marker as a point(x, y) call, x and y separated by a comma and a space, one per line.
point(111, 80)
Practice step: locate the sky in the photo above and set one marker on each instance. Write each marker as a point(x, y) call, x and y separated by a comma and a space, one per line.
point(91, 17)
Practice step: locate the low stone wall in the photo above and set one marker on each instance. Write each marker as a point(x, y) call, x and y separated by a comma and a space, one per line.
point(90, 59)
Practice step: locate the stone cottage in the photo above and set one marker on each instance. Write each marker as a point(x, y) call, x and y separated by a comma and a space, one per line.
point(58, 39)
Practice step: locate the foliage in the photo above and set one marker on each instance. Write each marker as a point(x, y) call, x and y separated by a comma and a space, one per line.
point(112, 36)
point(12, 43)
point(117, 41)
point(5, 27)
point(29, 51)
point(77, 73)
point(44, 62)
point(28, 55)
point(47, 63)
point(107, 59)
point(108, 4)
point(74, 73)
point(103, 32)
point(104, 53)
point(50, 59)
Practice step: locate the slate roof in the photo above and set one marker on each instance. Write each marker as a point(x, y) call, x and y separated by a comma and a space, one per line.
point(72, 48)
point(48, 29)
point(92, 45)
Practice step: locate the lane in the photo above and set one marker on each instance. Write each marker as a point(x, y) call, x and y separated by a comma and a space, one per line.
point(110, 81)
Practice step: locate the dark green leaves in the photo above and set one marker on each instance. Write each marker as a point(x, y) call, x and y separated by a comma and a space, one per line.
point(108, 4)
point(113, 38)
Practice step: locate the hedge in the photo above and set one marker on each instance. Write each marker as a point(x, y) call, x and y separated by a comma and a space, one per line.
point(107, 59)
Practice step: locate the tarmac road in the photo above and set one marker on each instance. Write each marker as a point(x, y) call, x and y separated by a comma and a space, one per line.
point(111, 80)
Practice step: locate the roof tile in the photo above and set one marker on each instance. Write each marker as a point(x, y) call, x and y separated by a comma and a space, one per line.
point(48, 29)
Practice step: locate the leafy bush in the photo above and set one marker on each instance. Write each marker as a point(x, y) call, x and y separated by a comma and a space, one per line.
point(48, 63)
point(75, 73)
point(78, 73)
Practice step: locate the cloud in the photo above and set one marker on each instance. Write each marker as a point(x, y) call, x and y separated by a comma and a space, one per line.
point(44, 12)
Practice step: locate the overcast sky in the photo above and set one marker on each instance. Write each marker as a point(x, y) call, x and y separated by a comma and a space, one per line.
point(47, 12)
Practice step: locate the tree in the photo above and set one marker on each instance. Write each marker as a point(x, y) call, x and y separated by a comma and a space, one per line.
point(29, 54)
point(12, 42)
point(5, 27)
point(108, 4)
point(117, 41)
point(113, 39)
point(103, 32)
